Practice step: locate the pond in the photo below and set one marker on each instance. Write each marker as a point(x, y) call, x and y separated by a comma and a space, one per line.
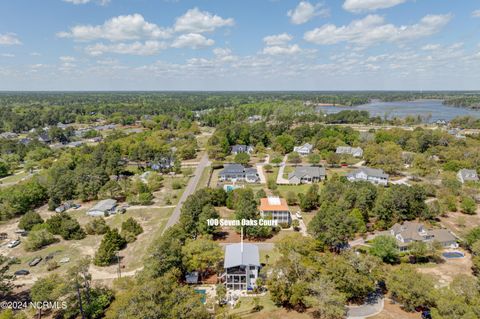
point(429, 110)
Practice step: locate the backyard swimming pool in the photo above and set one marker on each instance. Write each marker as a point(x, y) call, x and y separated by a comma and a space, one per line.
point(453, 254)
point(203, 294)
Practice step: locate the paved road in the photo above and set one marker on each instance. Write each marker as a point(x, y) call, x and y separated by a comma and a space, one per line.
point(189, 190)
point(366, 310)
point(280, 179)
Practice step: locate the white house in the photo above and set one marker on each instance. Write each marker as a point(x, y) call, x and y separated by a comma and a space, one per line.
point(372, 175)
point(236, 149)
point(242, 266)
point(467, 175)
point(304, 149)
point(102, 207)
point(354, 151)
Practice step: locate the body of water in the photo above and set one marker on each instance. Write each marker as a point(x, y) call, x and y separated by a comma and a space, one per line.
point(431, 110)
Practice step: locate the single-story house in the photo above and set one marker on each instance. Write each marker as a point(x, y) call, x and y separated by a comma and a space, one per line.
point(354, 151)
point(410, 232)
point(237, 172)
point(307, 174)
point(242, 266)
point(372, 175)
point(304, 149)
point(236, 149)
point(102, 207)
point(467, 175)
point(275, 208)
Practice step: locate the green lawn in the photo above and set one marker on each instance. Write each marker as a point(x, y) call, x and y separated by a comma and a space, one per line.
point(13, 178)
point(244, 307)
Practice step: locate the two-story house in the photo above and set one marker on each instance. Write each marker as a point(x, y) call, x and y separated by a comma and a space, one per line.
point(242, 266)
point(275, 208)
point(237, 172)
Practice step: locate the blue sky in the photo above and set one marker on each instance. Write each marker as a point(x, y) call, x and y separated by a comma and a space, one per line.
point(239, 45)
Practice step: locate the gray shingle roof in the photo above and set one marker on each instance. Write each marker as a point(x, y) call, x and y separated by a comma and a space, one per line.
point(235, 257)
point(104, 205)
point(374, 172)
point(312, 171)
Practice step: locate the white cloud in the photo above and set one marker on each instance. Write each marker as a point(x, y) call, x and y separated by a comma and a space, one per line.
point(369, 5)
point(476, 14)
point(277, 39)
point(7, 55)
point(305, 11)
point(278, 45)
point(282, 50)
point(196, 21)
point(67, 58)
point(76, 2)
point(121, 28)
point(192, 40)
point(374, 29)
point(431, 47)
point(135, 48)
point(224, 55)
point(9, 39)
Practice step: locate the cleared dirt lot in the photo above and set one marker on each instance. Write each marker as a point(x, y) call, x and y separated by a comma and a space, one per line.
point(446, 271)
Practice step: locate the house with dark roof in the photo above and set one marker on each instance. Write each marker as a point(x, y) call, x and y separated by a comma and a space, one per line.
point(304, 149)
point(242, 266)
point(307, 175)
point(354, 151)
point(467, 175)
point(44, 138)
point(238, 172)
point(372, 175)
point(236, 149)
point(410, 232)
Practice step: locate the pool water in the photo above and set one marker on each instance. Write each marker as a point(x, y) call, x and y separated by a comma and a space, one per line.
point(203, 294)
point(453, 254)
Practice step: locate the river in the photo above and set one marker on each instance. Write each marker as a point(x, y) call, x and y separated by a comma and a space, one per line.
point(430, 110)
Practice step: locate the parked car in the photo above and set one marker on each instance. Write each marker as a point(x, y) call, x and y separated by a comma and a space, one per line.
point(299, 216)
point(35, 261)
point(22, 272)
point(13, 243)
point(76, 206)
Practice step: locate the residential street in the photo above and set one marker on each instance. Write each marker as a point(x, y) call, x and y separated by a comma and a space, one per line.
point(370, 308)
point(280, 179)
point(189, 190)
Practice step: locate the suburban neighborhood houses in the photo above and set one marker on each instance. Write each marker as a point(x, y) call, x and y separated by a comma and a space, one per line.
point(237, 217)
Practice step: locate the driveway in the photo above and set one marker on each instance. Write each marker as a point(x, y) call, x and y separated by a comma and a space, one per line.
point(303, 227)
point(372, 307)
point(189, 190)
point(261, 172)
point(280, 179)
point(402, 181)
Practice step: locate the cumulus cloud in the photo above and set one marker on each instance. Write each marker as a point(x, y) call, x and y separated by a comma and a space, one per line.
point(192, 40)
point(196, 21)
point(357, 6)
point(476, 13)
point(431, 47)
point(135, 48)
point(224, 55)
point(278, 44)
point(305, 11)
point(67, 58)
point(9, 39)
point(121, 28)
point(374, 29)
point(277, 39)
point(282, 50)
